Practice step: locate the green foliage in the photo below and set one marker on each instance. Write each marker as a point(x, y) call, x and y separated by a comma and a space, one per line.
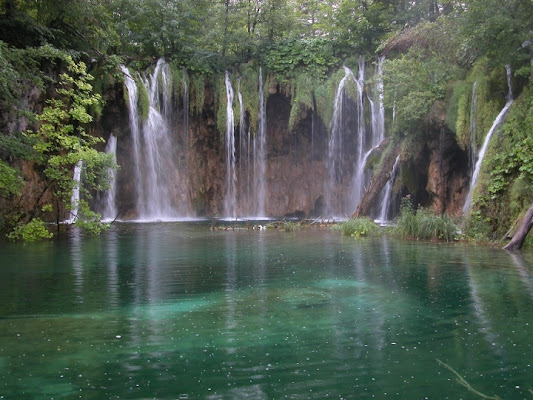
point(249, 85)
point(357, 227)
point(285, 58)
point(289, 226)
point(61, 140)
point(413, 82)
point(107, 73)
point(487, 82)
point(10, 181)
point(20, 73)
point(423, 224)
point(222, 101)
point(302, 98)
point(325, 96)
point(476, 228)
point(32, 231)
point(197, 93)
point(506, 184)
point(497, 29)
point(90, 221)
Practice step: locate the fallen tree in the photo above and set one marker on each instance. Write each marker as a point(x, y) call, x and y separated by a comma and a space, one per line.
point(523, 229)
point(378, 182)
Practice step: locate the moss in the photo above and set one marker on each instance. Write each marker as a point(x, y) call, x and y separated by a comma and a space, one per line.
point(302, 98)
point(197, 93)
point(325, 96)
point(221, 101)
point(143, 101)
point(490, 97)
point(505, 186)
point(178, 75)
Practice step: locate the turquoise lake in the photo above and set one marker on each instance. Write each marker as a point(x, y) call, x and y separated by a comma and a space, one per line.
point(176, 311)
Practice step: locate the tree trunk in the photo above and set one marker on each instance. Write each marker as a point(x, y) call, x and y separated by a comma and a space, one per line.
point(523, 229)
point(377, 184)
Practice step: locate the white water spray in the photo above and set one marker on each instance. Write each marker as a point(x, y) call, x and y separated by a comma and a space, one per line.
point(75, 197)
point(495, 124)
point(154, 167)
point(109, 211)
point(230, 199)
point(260, 144)
point(387, 194)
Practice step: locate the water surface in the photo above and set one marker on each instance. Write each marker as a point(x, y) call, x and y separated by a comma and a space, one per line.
point(176, 311)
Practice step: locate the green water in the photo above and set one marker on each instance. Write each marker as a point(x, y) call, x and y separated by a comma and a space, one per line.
point(175, 311)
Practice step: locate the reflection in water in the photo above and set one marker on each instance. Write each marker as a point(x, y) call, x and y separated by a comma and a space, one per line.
point(112, 269)
point(480, 311)
point(76, 254)
point(523, 271)
point(176, 311)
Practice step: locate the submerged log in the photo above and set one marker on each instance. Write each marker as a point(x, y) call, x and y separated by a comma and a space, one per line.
point(523, 229)
point(378, 182)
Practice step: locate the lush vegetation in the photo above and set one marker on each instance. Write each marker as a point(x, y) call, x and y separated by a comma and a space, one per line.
point(423, 224)
point(357, 227)
point(435, 49)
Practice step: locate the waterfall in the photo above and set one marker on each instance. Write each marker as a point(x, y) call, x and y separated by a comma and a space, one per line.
point(482, 151)
point(358, 183)
point(186, 104)
point(75, 197)
point(335, 143)
point(156, 202)
point(154, 167)
point(473, 130)
point(230, 200)
point(135, 130)
point(109, 211)
point(244, 154)
point(260, 154)
point(378, 107)
point(387, 193)
point(353, 144)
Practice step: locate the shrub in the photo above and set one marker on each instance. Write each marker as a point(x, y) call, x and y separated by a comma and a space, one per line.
point(357, 227)
point(424, 224)
point(31, 232)
point(289, 226)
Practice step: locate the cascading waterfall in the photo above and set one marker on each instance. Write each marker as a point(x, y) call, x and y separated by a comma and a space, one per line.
point(358, 182)
point(109, 211)
point(244, 153)
point(260, 155)
point(335, 143)
point(387, 194)
point(473, 130)
point(230, 200)
point(482, 151)
point(378, 108)
point(154, 168)
point(155, 203)
point(365, 142)
point(75, 197)
point(185, 82)
point(135, 131)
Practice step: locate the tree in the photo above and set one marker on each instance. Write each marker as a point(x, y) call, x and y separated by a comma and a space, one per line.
point(61, 141)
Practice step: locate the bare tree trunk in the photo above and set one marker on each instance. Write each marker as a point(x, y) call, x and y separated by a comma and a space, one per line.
point(377, 184)
point(523, 229)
